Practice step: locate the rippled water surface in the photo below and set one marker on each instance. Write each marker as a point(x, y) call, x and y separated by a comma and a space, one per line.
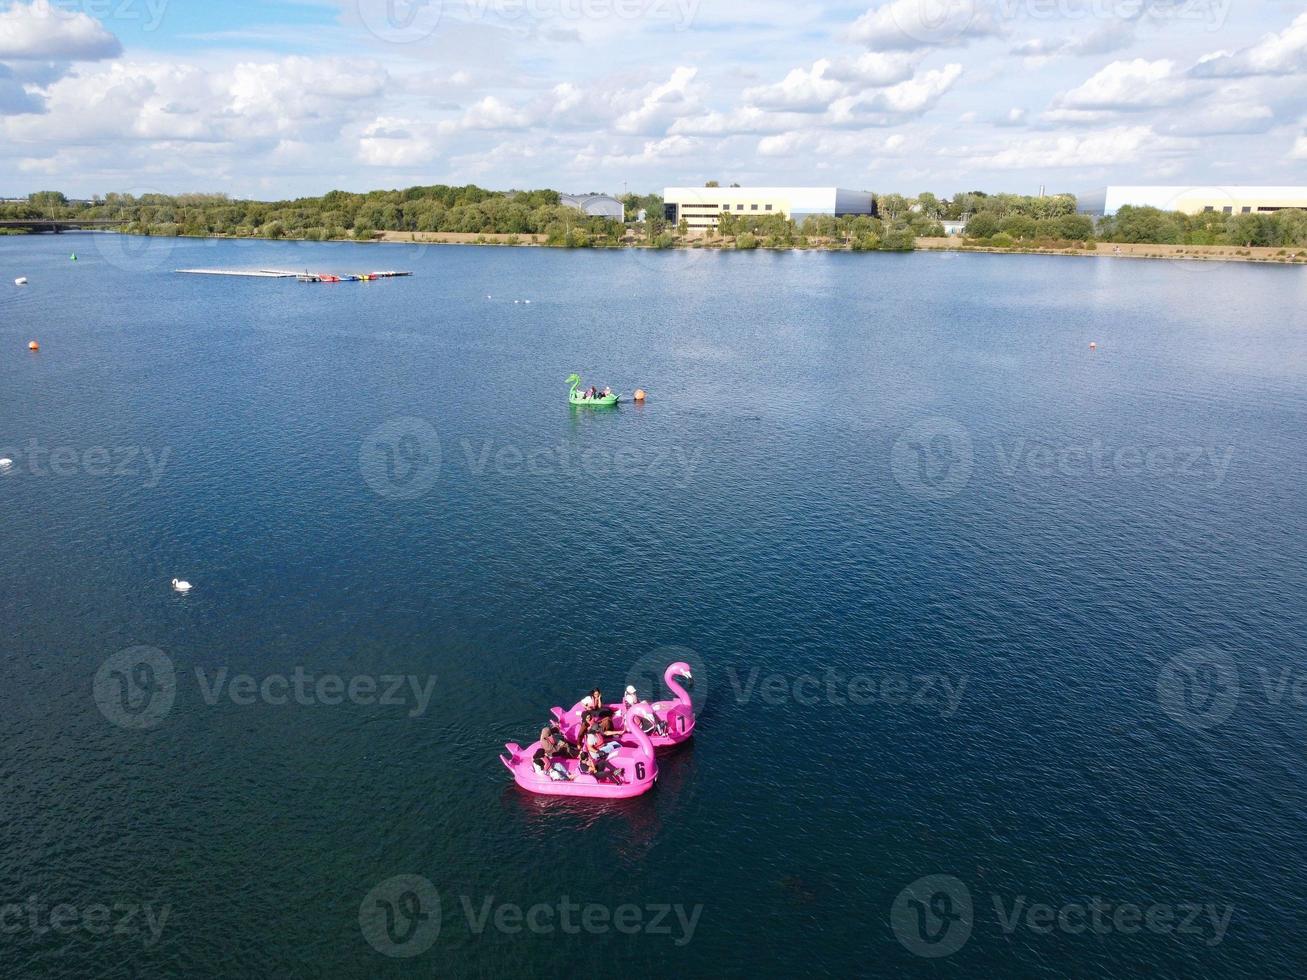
point(965, 598)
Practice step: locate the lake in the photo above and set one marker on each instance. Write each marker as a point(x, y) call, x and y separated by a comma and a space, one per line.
point(999, 640)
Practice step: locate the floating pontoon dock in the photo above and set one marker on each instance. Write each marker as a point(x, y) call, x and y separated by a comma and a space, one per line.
point(255, 273)
point(301, 276)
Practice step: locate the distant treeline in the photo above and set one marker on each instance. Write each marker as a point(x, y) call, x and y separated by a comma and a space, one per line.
point(996, 219)
point(338, 214)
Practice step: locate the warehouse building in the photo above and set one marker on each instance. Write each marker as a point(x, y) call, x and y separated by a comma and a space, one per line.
point(594, 205)
point(701, 207)
point(1106, 201)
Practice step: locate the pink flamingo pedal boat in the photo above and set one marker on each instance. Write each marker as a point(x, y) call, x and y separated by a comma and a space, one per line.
point(635, 758)
point(677, 716)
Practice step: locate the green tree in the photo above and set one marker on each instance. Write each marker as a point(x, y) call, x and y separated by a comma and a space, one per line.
point(898, 239)
point(891, 206)
point(982, 225)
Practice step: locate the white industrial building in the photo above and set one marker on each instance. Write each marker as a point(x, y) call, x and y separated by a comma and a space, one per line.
point(701, 207)
point(1107, 201)
point(595, 205)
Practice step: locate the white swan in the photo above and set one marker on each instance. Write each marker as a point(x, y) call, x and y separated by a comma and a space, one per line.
point(181, 586)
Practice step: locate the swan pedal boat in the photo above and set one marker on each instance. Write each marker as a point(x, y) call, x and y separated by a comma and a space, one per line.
point(635, 757)
point(575, 397)
point(677, 715)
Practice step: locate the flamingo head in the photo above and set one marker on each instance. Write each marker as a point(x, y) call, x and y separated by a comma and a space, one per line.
point(681, 669)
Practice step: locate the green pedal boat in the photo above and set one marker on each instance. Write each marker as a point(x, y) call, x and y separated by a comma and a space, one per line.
point(575, 397)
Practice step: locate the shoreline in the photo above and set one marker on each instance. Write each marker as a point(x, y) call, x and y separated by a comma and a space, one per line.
point(1124, 250)
point(1117, 250)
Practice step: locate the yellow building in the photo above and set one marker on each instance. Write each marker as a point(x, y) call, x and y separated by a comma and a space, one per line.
point(701, 207)
point(1194, 200)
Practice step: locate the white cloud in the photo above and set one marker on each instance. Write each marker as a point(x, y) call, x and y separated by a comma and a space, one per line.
point(294, 98)
point(1121, 145)
point(781, 145)
point(655, 151)
point(857, 146)
point(917, 94)
point(908, 25)
point(40, 31)
point(1283, 53)
point(567, 97)
point(1128, 85)
point(1224, 117)
point(1077, 117)
point(1113, 35)
point(492, 113)
point(746, 119)
point(802, 90)
point(1299, 151)
point(813, 89)
point(392, 142)
point(281, 96)
point(890, 106)
point(876, 68)
point(663, 104)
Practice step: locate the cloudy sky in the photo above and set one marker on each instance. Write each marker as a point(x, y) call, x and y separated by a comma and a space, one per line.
point(271, 98)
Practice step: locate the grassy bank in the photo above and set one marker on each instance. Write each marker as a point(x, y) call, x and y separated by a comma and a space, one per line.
point(724, 243)
point(1195, 253)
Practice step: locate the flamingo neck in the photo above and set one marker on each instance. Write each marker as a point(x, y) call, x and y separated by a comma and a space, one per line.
point(672, 685)
point(637, 733)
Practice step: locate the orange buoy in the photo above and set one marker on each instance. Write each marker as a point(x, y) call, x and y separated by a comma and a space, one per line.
point(639, 394)
point(33, 346)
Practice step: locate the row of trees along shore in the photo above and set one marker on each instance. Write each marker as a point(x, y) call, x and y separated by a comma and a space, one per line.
point(993, 220)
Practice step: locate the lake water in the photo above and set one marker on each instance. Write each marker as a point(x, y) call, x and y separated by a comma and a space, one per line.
point(968, 602)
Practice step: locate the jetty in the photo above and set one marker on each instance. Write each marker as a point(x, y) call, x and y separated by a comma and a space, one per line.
point(361, 277)
point(254, 273)
point(300, 276)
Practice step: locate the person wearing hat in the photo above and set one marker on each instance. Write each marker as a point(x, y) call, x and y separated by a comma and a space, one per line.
point(630, 697)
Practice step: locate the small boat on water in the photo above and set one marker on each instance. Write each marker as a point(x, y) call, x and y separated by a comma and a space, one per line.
point(361, 277)
point(672, 721)
point(634, 762)
point(575, 397)
point(21, 281)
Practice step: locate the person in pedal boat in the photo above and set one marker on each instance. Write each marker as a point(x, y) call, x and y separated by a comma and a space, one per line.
point(596, 743)
point(553, 742)
point(594, 702)
point(543, 765)
point(597, 764)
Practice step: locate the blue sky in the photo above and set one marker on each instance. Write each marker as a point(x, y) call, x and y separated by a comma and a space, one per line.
point(291, 97)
